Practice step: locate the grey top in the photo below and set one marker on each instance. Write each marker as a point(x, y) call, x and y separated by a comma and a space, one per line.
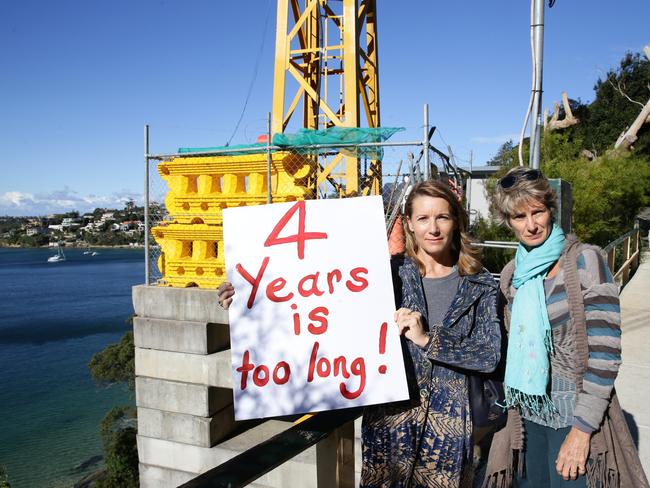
point(439, 293)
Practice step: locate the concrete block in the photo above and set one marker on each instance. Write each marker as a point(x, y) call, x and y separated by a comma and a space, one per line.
point(180, 336)
point(163, 302)
point(157, 477)
point(186, 398)
point(212, 369)
point(186, 429)
point(194, 459)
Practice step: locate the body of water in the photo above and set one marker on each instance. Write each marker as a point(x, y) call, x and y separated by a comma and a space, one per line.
point(53, 318)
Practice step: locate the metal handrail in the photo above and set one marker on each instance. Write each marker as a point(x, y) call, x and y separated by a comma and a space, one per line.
point(618, 241)
point(263, 458)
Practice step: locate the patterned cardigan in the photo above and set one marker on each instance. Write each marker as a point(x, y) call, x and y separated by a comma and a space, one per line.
point(427, 441)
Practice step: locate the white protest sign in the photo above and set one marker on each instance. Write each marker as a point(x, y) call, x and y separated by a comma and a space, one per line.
point(311, 322)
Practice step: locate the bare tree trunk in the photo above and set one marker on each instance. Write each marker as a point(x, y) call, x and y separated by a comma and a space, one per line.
point(567, 121)
point(629, 136)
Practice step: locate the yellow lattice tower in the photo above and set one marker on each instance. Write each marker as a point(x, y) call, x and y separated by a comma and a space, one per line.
point(323, 59)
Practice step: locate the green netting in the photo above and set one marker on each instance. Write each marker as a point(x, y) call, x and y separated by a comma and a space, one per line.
point(245, 148)
point(305, 140)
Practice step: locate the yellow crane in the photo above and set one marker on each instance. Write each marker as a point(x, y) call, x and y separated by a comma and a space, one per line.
point(326, 58)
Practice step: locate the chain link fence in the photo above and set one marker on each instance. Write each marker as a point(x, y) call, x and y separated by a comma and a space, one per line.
point(187, 192)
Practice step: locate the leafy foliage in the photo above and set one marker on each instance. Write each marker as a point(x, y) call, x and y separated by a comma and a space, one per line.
point(607, 193)
point(493, 259)
point(611, 112)
point(506, 155)
point(4, 479)
point(118, 433)
point(116, 363)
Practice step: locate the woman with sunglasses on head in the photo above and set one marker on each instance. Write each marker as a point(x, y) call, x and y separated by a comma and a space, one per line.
point(447, 316)
point(565, 426)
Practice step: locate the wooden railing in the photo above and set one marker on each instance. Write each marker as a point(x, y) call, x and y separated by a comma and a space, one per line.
point(626, 251)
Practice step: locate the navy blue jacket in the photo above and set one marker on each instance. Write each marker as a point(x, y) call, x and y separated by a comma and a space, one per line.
point(427, 440)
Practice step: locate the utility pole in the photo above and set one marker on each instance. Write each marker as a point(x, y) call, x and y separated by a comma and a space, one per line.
point(537, 28)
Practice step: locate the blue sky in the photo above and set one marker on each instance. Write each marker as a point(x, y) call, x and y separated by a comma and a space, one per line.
point(81, 78)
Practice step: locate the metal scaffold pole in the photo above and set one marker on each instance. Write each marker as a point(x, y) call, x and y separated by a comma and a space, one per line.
point(538, 51)
point(268, 158)
point(146, 206)
point(425, 144)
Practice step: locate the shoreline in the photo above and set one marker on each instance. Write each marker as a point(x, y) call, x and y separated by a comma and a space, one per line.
point(97, 246)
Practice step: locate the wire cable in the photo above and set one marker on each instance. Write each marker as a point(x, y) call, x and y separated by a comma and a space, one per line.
point(257, 65)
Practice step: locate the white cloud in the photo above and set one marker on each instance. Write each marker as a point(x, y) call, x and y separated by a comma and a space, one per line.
point(17, 203)
point(495, 139)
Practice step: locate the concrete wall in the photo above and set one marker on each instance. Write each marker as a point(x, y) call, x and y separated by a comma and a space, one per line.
point(186, 420)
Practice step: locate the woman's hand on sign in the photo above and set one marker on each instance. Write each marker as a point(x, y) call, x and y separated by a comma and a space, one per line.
point(225, 292)
point(411, 326)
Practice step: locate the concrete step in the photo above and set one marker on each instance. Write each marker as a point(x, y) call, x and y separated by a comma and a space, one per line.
point(212, 369)
point(180, 336)
point(180, 397)
point(186, 429)
point(193, 304)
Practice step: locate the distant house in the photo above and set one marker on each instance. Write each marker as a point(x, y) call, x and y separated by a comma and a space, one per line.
point(108, 217)
point(70, 223)
point(116, 227)
point(55, 227)
point(33, 231)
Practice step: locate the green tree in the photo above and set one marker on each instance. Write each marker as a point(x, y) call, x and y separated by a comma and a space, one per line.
point(607, 193)
point(506, 155)
point(611, 112)
point(116, 363)
point(113, 365)
point(118, 431)
point(493, 259)
point(4, 478)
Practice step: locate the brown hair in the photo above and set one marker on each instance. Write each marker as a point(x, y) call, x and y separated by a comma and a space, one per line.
point(464, 253)
point(508, 200)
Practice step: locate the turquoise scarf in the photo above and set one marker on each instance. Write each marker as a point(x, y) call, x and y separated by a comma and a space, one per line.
point(529, 340)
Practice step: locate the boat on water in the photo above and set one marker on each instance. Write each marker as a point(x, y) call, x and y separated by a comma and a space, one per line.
point(94, 253)
point(59, 256)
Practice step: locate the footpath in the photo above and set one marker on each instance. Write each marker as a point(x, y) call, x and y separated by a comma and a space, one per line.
point(633, 381)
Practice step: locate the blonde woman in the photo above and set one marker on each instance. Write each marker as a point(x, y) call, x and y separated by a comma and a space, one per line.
point(447, 316)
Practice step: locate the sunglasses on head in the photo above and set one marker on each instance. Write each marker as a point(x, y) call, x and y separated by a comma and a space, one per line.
point(508, 181)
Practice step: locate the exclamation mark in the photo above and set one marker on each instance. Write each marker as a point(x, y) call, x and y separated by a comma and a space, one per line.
point(382, 344)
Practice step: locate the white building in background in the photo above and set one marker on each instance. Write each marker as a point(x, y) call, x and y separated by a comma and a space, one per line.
point(108, 217)
point(476, 198)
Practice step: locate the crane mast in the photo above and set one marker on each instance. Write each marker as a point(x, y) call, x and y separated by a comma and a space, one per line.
point(326, 58)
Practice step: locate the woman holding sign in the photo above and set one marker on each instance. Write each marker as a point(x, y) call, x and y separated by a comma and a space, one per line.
point(447, 315)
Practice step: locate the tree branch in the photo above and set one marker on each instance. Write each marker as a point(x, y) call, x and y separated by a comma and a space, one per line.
point(618, 88)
